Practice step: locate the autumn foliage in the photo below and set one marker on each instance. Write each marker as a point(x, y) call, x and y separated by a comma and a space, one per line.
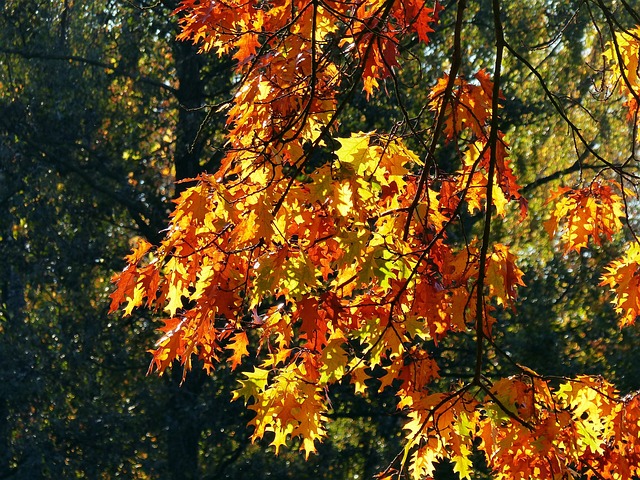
point(329, 258)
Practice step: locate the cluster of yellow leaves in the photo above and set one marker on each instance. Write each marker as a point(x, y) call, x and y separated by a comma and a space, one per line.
point(441, 425)
point(580, 427)
point(623, 56)
point(291, 406)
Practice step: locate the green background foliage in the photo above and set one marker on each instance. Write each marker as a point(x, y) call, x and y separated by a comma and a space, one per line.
point(101, 110)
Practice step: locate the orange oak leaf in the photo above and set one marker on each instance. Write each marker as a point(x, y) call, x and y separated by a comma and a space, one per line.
point(238, 348)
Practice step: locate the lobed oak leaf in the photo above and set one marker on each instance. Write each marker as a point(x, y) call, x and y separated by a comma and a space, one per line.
point(253, 385)
point(169, 346)
point(192, 206)
point(126, 281)
point(280, 434)
point(423, 462)
point(358, 374)
point(355, 151)
point(135, 300)
point(470, 106)
point(311, 420)
point(503, 276)
point(140, 250)
point(134, 283)
point(419, 17)
point(334, 360)
point(239, 348)
point(472, 181)
point(177, 291)
point(314, 328)
point(299, 276)
point(392, 373)
point(268, 272)
point(247, 46)
point(515, 395)
point(416, 369)
point(462, 464)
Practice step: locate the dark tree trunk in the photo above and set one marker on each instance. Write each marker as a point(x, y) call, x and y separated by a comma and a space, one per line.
point(183, 422)
point(12, 299)
point(189, 144)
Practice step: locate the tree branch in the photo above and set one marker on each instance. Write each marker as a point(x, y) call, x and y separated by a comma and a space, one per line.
point(493, 159)
point(89, 61)
point(456, 60)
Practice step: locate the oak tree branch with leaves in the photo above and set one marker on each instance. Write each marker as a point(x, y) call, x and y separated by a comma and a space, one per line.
point(316, 256)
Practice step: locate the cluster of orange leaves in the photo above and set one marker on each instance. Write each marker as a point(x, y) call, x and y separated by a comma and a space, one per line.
point(336, 267)
point(529, 430)
point(593, 214)
point(590, 213)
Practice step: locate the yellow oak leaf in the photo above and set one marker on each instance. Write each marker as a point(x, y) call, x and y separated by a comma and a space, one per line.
point(462, 464)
